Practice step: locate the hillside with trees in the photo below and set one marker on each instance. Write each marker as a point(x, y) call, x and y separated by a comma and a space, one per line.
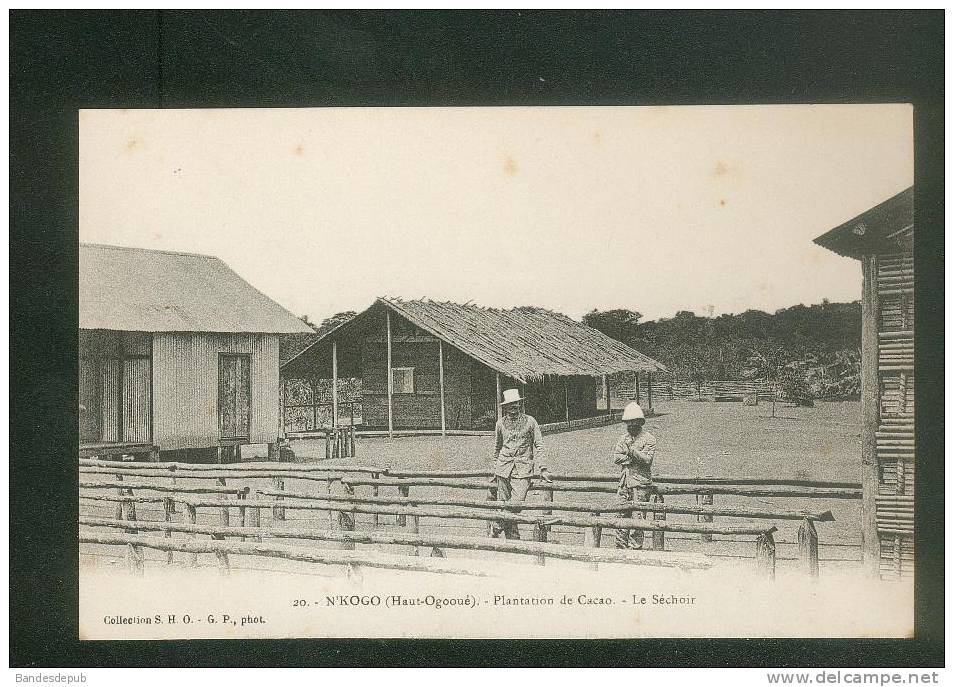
point(810, 351)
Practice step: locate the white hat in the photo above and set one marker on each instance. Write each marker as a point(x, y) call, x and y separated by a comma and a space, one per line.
point(511, 396)
point(632, 411)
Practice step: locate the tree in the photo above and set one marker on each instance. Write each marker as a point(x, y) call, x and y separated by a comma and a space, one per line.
point(768, 362)
point(335, 320)
point(619, 324)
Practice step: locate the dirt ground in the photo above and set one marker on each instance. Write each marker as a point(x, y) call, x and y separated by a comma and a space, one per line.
point(695, 438)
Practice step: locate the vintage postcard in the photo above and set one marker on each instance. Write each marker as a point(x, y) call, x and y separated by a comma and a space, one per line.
point(568, 372)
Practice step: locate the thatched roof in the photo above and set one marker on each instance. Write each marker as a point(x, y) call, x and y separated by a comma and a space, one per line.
point(883, 229)
point(134, 289)
point(522, 343)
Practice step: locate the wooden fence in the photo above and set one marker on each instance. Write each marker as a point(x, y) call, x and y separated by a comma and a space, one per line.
point(671, 390)
point(161, 484)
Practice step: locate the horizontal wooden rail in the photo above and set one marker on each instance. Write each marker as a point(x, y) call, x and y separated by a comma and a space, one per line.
point(161, 468)
point(561, 551)
point(296, 553)
point(575, 506)
point(223, 473)
point(177, 489)
point(614, 478)
point(489, 515)
point(199, 467)
point(448, 513)
point(774, 492)
point(540, 485)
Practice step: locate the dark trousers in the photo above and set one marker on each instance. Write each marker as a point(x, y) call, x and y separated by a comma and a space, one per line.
point(632, 539)
point(511, 489)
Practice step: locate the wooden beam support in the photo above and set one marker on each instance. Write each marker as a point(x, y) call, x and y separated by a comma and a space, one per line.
point(334, 384)
point(765, 556)
point(499, 398)
point(871, 545)
point(566, 399)
point(440, 379)
point(606, 395)
point(390, 378)
point(808, 548)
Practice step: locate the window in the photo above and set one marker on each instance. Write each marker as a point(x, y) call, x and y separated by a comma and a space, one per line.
point(403, 380)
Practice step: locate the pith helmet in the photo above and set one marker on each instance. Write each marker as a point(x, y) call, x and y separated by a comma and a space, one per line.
point(511, 396)
point(632, 411)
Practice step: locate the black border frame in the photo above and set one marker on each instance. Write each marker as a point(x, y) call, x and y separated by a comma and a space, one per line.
point(64, 60)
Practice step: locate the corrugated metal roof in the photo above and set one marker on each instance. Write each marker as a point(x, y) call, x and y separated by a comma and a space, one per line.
point(523, 343)
point(874, 231)
point(134, 289)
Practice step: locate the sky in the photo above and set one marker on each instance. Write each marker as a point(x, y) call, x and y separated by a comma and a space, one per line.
point(654, 209)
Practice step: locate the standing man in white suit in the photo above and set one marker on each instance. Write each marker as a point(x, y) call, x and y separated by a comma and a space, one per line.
point(517, 456)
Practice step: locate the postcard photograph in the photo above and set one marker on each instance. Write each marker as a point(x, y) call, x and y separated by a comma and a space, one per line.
point(496, 372)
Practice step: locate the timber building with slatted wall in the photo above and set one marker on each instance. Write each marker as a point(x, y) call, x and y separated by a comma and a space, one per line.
point(176, 353)
point(439, 366)
point(882, 239)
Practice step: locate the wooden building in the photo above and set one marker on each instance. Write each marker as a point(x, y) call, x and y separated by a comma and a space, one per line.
point(176, 353)
point(441, 366)
point(882, 239)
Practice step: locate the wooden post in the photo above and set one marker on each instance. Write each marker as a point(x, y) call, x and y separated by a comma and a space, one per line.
point(351, 433)
point(413, 527)
point(334, 384)
point(390, 378)
point(255, 520)
point(566, 399)
point(440, 379)
point(593, 536)
point(491, 496)
point(649, 390)
point(134, 559)
point(346, 520)
point(606, 395)
point(331, 514)
point(499, 398)
point(765, 556)
point(282, 383)
point(314, 405)
point(542, 532)
point(871, 544)
point(706, 499)
point(223, 512)
point(374, 492)
point(191, 514)
point(223, 559)
point(808, 548)
point(548, 498)
point(119, 504)
point(278, 513)
point(636, 388)
point(659, 536)
point(134, 555)
point(540, 535)
point(328, 445)
point(169, 507)
point(242, 514)
point(405, 492)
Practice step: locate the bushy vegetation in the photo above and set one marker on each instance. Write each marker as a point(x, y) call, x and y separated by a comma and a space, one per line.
point(810, 351)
